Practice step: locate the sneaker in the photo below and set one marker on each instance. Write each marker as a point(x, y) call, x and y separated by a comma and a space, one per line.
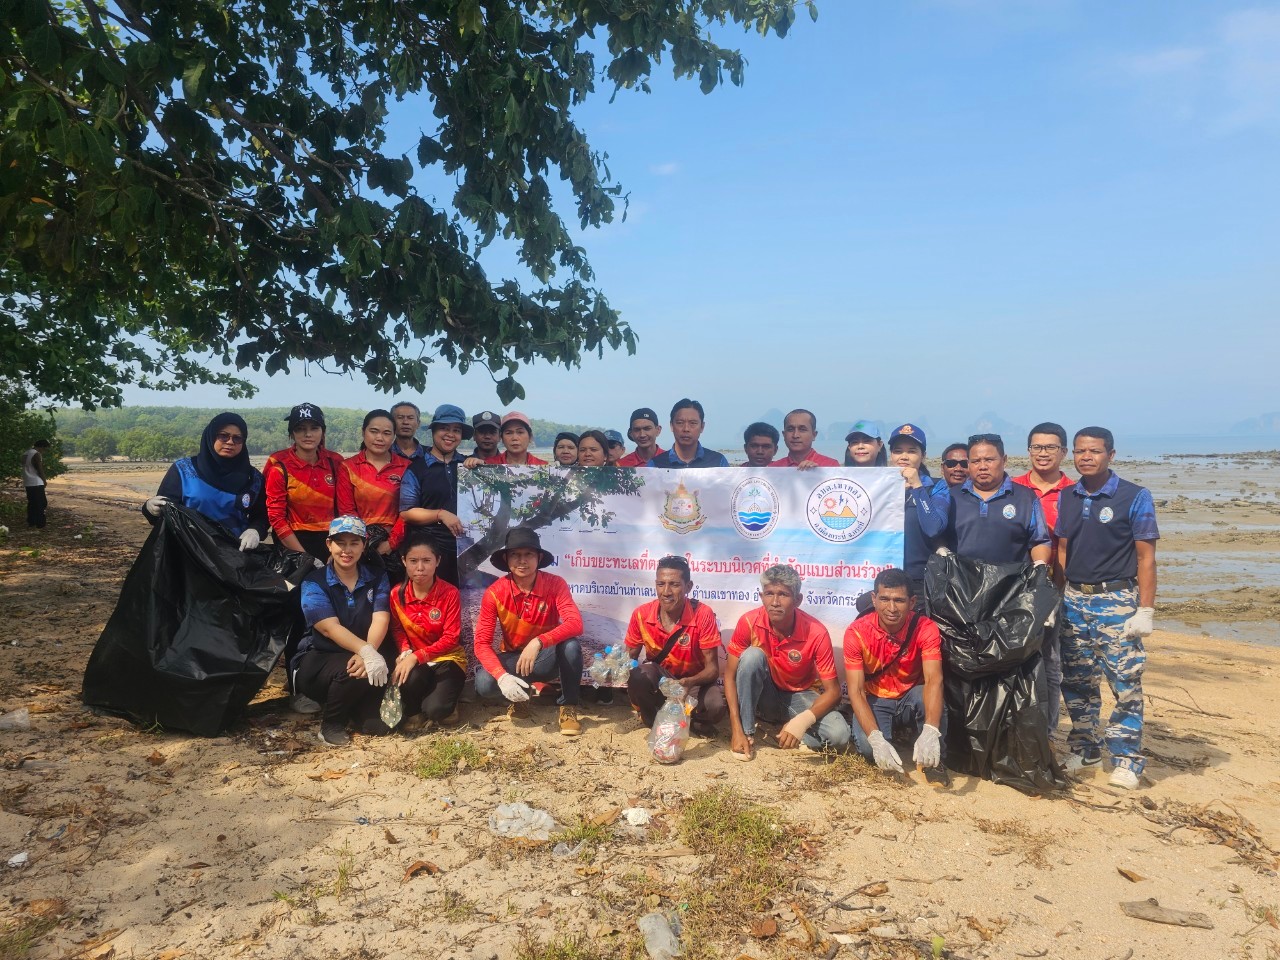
point(570, 725)
point(519, 710)
point(604, 695)
point(415, 724)
point(1124, 778)
point(1079, 762)
point(303, 704)
point(334, 734)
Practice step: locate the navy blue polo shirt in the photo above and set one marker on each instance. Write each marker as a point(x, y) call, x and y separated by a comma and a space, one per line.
point(1101, 529)
point(703, 458)
point(923, 521)
point(432, 483)
point(325, 596)
point(1002, 529)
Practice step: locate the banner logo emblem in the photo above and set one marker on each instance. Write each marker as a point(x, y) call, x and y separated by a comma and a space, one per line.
point(838, 510)
point(682, 514)
point(755, 507)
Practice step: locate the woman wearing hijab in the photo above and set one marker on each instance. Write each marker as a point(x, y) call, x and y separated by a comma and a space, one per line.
point(566, 449)
point(301, 482)
point(219, 482)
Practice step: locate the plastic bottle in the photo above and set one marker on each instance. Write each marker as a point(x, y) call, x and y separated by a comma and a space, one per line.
point(599, 671)
point(622, 671)
point(659, 939)
point(19, 719)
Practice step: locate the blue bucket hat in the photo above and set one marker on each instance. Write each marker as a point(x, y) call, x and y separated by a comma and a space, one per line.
point(449, 415)
point(348, 524)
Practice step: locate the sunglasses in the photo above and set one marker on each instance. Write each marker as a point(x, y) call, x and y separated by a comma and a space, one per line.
point(952, 464)
point(232, 438)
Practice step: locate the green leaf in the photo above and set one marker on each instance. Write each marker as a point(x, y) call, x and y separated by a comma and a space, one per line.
point(41, 48)
point(192, 78)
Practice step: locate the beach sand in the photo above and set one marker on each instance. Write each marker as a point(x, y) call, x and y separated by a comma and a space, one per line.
point(263, 843)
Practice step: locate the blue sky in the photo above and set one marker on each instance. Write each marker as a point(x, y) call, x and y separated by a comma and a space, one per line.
point(930, 210)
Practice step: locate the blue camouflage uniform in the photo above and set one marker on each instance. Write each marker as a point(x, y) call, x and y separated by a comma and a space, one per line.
point(1101, 531)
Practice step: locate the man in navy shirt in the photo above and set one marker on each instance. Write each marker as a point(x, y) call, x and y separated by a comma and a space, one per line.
point(1107, 551)
point(990, 517)
point(687, 423)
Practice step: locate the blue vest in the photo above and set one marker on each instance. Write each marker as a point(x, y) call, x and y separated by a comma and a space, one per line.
point(1100, 529)
point(1002, 529)
point(229, 509)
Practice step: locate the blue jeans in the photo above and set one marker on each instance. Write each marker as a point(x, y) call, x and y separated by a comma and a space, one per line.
point(905, 715)
point(562, 662)
point(759, 695)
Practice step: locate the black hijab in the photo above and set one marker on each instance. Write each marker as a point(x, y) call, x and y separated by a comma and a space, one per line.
point(229, 474)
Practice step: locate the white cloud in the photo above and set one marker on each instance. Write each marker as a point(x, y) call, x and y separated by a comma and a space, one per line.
point(1229, 82)
point(669, 169)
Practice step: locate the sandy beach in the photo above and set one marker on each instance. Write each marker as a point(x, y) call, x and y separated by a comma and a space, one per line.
point(263, 843)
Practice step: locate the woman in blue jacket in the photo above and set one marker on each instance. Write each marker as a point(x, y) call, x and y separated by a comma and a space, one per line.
point(219, 482)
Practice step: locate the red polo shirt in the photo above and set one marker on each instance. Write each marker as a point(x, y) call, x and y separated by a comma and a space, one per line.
point(546, 612)
point(868, 647)
point(798, 662)
point(301, 495)
point(373, 494)
point(501, 461)
point(686, 657)
point(813, 456)
point(1048, 501)
point(633, 459)
point(428, 625)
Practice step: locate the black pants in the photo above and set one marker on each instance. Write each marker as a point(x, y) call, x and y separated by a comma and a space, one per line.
point(433, 690)
point(323, 677)
point(642, 689)
point(37, 504)
point(315, 542)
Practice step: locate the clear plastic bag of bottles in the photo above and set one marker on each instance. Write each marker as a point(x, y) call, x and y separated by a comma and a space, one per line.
point(670, 730)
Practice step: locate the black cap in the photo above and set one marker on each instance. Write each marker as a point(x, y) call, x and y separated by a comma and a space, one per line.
point(303, 412)
point(643, 413)
point(486, 418)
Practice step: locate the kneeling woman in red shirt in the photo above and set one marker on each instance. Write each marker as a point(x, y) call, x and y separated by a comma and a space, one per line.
point(426, 621)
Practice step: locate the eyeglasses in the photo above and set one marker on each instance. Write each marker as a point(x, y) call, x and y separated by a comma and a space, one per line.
point(952, 464)
point(1045, 447)
point(232, 438)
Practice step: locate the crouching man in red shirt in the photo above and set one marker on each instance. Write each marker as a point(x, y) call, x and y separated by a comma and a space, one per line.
point(893, 665)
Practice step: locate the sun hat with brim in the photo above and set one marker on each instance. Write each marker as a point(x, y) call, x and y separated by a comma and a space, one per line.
point(447, 415)
point(864, 428)
point(348, 524)
point(521, 538)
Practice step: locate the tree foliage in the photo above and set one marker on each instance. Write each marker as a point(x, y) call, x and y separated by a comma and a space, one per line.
point(96, 444)
point(211, 181)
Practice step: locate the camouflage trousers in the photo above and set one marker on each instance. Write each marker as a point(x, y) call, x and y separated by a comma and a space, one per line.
point(1093, 646)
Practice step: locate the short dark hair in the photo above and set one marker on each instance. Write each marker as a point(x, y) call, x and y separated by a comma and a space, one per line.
point(812, 419)
point(419, 537)
point(992, 438)
point(687, 404)
point(679, 564)
point(1097, 433)
point(893, 578)
point(760, 429)
point(596, 435)
point(406, 403)
point(1057, 429)
point(956, 446)
point(41, 443)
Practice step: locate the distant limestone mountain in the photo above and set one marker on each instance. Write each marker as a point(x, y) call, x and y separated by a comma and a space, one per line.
point(989, 422)
point(1267, 424)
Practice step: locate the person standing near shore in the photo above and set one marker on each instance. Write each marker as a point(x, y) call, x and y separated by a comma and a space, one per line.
point(799, 430)
point(429, 488)
point(643, 432)
point(1107, 537)
point(1047, 447)
point(760, 444)
point(34, 480)
point(955, 464)
point(407, 419)
point(302, 485)
point(688, 420)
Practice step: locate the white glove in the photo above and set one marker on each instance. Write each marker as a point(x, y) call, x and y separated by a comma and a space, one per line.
point(375, 667)
point(249, 539)
point(885, 756)
point(1051, 619)
point(320, 564)
point(799, 725)
point(928, 752)
point(1139, 625)
point(943, 552)
point(513, 688)
point(154, 505)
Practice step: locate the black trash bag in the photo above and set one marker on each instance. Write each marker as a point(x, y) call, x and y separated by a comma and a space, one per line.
point(991, 617)
point(198, 627)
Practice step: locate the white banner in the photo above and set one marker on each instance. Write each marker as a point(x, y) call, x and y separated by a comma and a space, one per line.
point(608, 527)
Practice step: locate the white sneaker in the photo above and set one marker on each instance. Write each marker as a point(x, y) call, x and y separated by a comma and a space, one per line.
point(303, 704)
point(1078, 763)
point(1124, 778)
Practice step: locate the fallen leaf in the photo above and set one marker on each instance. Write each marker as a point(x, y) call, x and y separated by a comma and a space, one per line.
point(435, 834)
point(171, 955)
point(156, 758)
point(1130, 875)
point(197, 865)
point(877, 889)
point(420, 866)
point(764, 929)
point(462, 764)
point(606, 818)
point(80, 725)
point(94, 942)
point(327, 775)
point(543, 911)
point(47, 908)
point(588, 871)
point(391, 837)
